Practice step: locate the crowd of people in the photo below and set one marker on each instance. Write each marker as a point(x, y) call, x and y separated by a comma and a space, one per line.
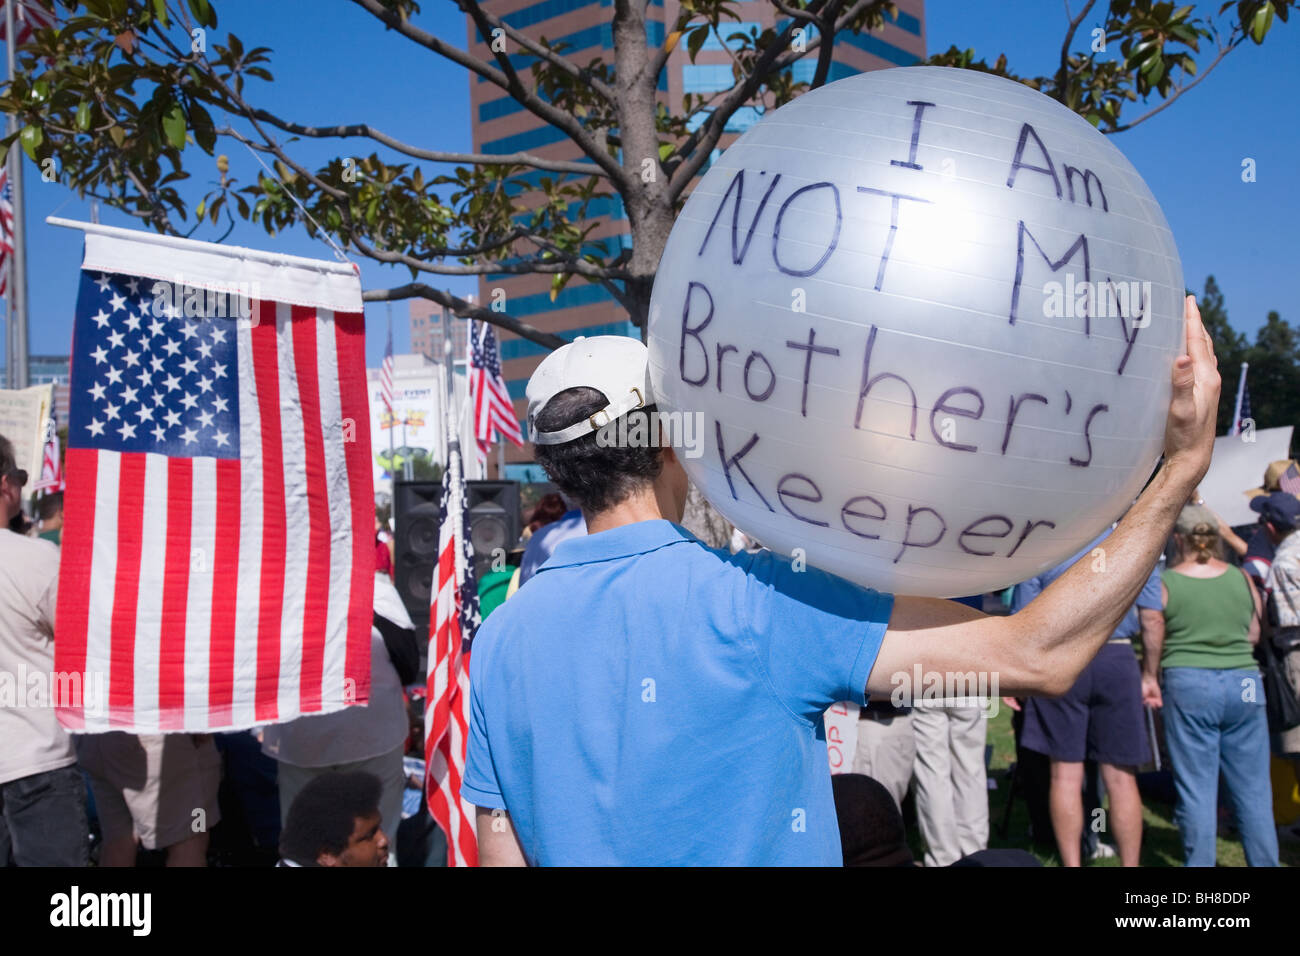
point(638, 697)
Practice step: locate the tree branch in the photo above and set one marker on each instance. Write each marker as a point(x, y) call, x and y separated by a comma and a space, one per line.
point(1223, 51)
point(539, 50)
point(345, 131)
point(1064, 69)
point(466, 310)
point(555, 117)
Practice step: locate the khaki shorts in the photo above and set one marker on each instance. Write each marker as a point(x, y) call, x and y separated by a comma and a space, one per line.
point(161, 787)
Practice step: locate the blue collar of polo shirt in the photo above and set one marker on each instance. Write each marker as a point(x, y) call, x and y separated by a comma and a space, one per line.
point(640, 537)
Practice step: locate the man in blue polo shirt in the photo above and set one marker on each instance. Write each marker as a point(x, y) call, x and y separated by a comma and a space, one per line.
point(648, 700)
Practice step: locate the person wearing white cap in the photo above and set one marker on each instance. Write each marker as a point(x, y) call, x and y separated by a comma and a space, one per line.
point(647, 700)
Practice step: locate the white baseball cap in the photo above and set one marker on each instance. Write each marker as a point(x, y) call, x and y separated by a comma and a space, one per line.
point(616, 366)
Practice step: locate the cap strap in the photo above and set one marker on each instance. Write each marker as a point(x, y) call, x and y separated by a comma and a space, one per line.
point(592, 423)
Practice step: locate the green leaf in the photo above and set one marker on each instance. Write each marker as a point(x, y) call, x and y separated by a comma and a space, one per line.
point(160, 11)
point(1260, 23)
point(173, 126)
point(203, 12)
point(695, 40)
point(32, 137)
point(205, 133)
point(83, 116)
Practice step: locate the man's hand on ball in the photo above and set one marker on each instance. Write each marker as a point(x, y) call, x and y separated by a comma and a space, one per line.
point(1194, 405)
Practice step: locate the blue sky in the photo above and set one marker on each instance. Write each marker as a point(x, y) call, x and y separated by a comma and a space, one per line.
point(332, 65)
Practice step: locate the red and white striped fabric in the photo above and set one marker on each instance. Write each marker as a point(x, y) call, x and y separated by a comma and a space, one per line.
point(220, 564)
point(494, 412)
point(28, 16)
point(453, 619)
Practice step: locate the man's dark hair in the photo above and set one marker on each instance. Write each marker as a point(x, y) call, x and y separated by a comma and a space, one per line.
point(324, 813)
point(50, 505)
point(596, 477)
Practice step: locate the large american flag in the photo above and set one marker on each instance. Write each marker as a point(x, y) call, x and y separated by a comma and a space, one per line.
point(28, 16)
point(219, 566)
point(453, 619)
point(494, 413)
point(6, 224)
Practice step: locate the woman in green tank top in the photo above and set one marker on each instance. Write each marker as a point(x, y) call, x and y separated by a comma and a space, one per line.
point(1212, 694)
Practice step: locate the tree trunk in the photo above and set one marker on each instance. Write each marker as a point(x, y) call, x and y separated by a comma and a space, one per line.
point(703, 520)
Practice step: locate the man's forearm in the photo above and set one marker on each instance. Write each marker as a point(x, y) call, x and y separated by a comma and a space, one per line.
point(1081, 609)
point(1153, 643)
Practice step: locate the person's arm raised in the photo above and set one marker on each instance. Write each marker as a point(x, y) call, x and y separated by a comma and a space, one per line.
point(1043, 649)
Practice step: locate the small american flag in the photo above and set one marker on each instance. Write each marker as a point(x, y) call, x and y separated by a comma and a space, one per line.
point(28, 16)
point(51, 480)
point(6, 224)
point(1240, 423)
point(386, 373)
point(494, 412)
point(1289, 480)
point(219, 494)
point(454, 617)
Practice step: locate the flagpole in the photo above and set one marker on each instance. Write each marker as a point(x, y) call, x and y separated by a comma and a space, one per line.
point(392, 465)
point(16, 350)
point(1236, 412)
point(453, 452)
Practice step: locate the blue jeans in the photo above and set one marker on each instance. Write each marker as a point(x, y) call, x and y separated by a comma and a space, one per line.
point(1209, 728)
point(44, 819)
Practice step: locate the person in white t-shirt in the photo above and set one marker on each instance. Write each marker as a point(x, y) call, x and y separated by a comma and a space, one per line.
point(42, 795)
point(371, 739)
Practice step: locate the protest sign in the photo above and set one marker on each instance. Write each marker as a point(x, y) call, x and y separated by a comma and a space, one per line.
point(24, 420)
point(927, 317)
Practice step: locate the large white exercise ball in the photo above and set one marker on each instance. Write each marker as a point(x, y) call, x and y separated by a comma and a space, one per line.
point(920, 323)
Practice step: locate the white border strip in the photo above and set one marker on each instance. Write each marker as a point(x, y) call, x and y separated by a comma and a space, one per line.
point(296, 280)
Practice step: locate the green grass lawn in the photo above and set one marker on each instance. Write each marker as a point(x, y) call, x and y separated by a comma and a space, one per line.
point(1161, 845)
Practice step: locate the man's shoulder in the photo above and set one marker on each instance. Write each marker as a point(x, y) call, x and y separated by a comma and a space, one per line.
point(31, 554)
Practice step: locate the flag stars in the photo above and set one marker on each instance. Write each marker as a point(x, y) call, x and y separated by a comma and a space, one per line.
point(205, 419)
point(218, 370)
point(116, 339)
point(145, 376)
point(110, 411)
point(205, 383)
point(173, 418)
point(156, 363)
point(96, 427)
point(189, 400)
point(159, 433)
point(100, 355)
point(218, 336)
point(171, 346)
point(103, 282)
point(172, 383)
point(127, 430)
point(220, 405)
point(156, 328)
point(190, 365)
point(190, 436)
point(133, 285)
point(144, 412)
point(221, 438)
point(100, 318)
point(97, 391)
point(129, 395)
point(117, 302)
point(133, 322)
point(114, 375)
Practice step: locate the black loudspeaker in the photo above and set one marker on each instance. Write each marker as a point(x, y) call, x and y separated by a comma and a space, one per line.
point(494, 523)
point(415, 546)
